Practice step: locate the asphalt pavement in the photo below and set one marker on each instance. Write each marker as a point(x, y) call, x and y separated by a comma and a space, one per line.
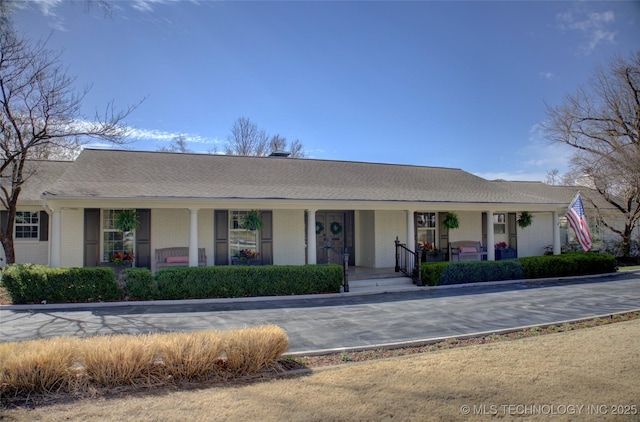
point(320, 323)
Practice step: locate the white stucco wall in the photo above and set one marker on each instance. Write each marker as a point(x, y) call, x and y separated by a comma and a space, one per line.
point(470, 227)
point(388, 224)
point(31, 251)
point(72, 238)
point(288, 237)
point(205, 233)
point(169, 228)
point(533, 239)
point(365, 238)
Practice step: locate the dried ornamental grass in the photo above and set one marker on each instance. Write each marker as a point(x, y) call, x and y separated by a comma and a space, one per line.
point(37, 366)
point(190, 355)
point(120, 360)
point(251, 349)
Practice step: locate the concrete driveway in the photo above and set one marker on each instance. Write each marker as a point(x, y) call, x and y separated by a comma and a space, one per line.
point(338, 322)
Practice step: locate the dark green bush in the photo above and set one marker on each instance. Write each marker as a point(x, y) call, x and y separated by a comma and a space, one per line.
point(239, 281)
point(140, 284)
point(570, 264)
point(30, 283)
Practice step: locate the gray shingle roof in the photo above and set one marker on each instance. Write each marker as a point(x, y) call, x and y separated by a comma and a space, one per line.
point(39, 175)
point(137, 174)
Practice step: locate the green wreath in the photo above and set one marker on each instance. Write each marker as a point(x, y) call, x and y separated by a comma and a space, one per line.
point(336, 228)
point(319, 227)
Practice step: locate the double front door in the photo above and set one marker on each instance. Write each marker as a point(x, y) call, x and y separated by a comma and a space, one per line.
point(334, 229)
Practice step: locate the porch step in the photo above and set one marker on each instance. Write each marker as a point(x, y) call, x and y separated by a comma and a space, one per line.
point(381, 284)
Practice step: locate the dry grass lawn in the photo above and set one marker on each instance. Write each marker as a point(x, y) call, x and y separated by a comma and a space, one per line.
point(553, 375)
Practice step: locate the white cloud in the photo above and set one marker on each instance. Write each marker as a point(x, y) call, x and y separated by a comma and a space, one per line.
point(546, 75)
point(592, 26)
point(157, 135)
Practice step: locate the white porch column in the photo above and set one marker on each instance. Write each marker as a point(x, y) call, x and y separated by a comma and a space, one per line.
point(55, 246)
point(491, 252)
point(411, 231)
point(311, 237)
point(193, 237)
point(556, 234)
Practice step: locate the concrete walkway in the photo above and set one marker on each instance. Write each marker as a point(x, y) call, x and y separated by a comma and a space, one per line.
point(360, 319)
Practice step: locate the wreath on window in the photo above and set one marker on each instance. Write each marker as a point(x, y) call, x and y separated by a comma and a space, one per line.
point(336, 228)
point(319, 227)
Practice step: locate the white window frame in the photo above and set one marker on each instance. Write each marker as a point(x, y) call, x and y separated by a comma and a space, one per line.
point(500, 223)
point(106, 226)
point(235, 228)
point(427, 222)
point(35, 227)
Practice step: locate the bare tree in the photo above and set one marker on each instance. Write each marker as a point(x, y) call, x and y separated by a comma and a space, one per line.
point(39, 114)
point(602, 122)
point(552, 177)
point(178, 144)
point(247, 139)
point(279, 143)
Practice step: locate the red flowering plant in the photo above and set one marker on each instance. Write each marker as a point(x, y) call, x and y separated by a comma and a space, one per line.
point(122, 258)
point(248, 254)
point(429, 248)
point(501, 246)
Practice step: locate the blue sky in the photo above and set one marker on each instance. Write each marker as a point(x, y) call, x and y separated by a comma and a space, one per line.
point(450, 84)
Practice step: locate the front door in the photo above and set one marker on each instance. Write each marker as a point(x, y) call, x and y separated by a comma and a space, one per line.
point(330, 231)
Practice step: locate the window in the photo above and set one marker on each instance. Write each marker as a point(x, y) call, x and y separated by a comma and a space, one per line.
point(499, 224)
point(27, 224)
point(426, 227)
point(239, 237)
point(114, 240)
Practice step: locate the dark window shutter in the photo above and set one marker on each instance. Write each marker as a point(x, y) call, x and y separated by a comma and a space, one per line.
point(91, 237)
point(444, 232)
point(4, 216)
point(221, 223)
point(143, 239)
point(44, 226)
point(484, 230)
point(513, 232)
point(266, 238)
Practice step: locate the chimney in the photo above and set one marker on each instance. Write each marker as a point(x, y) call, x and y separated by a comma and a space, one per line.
point(279, 153)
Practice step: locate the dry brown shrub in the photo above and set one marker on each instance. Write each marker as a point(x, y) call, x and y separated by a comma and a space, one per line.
point(120, 360)
point(37, 366)
point(190, 355)
point(251, 349)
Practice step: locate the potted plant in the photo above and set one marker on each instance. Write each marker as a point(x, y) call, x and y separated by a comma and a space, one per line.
point(525, 219)
point(126, 220)
point(451, 221)
point(252, 221)
point(246, 257)
point(430, 253)
point(504, 251)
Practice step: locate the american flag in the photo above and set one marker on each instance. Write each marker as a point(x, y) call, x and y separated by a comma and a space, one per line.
point(578, 222)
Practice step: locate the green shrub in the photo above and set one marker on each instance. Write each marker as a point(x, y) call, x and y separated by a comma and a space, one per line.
point(30, 283)
point(140, 284)
point(238, 281)
point(570, 264)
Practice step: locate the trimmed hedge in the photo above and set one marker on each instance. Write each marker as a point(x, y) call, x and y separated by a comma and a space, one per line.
point(571, 264)
point(140, 284)
point(30, 283)
point(239, 281)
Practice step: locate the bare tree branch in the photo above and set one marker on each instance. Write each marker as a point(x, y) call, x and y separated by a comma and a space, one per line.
point(602, 122)
point(40, 117)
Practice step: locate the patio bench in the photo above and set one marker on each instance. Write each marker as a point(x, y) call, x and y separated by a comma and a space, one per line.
point(467, 248)
point(177, 257)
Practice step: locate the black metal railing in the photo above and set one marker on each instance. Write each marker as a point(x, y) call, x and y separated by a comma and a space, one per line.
point(409, 262)
point(344, 258)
